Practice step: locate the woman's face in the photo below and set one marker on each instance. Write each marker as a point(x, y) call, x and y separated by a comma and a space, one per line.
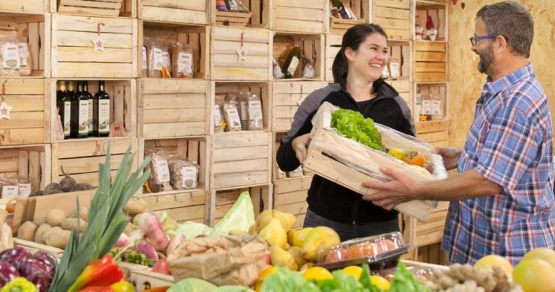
point(370, 59)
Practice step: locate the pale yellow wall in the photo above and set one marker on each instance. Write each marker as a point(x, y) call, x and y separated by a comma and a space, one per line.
point(465, 81)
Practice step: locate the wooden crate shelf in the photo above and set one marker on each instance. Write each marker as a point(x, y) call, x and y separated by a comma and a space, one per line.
point(286, 98)
point(30, 114)
point(240, 159)
point(122, 105)
point(360, 9)
point(394, 16)
point(165, 35)
point(180, 205)
point(258, 15)
point(333, 45)
point(81, 158)
point(290, 196)
point(430, 61)
point(73, 54)
point(419, 233)
point(402, 52)
point(438, 13)
point(171, 108)
point(434, 132)
point(194, 149)
point(175, 11)
point(29, 162)
point(431, 102)
point(24, 6)
point(222, 201)
point(312, 48)
point(108, 8)
point(225, 63)
point(33, 29)
point(293, 16)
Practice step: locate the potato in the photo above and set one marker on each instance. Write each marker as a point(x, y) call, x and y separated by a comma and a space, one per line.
point(27, 231)
point(135, 206)
point(39, 235)
point(58, 238)
point(74, 223)
point(83, 213)
point(55, 217)
point(50, 232)
point(129, 228)
point(39, 220)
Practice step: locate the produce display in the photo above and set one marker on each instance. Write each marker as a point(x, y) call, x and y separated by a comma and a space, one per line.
point(20, 268)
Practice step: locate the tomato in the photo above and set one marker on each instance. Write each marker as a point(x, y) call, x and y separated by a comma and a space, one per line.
point(414, 158)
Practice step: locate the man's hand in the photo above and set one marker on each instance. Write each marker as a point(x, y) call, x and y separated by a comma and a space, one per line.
point(450, 156)
point(300, 145)
point(399, 190)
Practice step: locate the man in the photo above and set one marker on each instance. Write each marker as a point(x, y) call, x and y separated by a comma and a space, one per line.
point(502, 196)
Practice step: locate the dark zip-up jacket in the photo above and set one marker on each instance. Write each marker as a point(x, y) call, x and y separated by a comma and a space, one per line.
point(331, 200)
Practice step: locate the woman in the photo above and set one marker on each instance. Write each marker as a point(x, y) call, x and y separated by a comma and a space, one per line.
point(357, 68)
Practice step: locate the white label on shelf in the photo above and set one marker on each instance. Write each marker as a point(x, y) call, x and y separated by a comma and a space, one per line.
point(293, 65)
point(10, 58)
point(24, 190)
point(144, 58)
point(394, 70)
point(103, 116)
point(426, 107)
point(166, 60)
point(83, 116)
point(185, 63)
point(67, 118)
point(9, 191)
point(163, 171)
point(217, 116)
point(255, 110)
point(23, 53)
point(189, 175)
point(90, 122)
point(158, 60)
point(436, 108)
point(234, 120)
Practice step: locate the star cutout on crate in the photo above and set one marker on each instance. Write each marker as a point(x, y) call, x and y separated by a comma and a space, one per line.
point(242, 54)
point(98, 43)
point(5, 111)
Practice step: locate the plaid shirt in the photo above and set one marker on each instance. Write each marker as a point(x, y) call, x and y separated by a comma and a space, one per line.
point(509, 143)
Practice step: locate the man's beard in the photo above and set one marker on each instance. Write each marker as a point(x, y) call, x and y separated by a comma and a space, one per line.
point(486, 59)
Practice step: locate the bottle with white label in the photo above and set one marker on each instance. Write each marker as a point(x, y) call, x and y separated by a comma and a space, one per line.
point(292, 61)
point(80, 113)
point(63, 105)
point(101, 111)
point(91, 102)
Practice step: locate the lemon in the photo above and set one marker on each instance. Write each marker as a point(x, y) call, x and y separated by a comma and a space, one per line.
point(380, 282)
point(396, 152)
point(317, 273)
point(354, 271)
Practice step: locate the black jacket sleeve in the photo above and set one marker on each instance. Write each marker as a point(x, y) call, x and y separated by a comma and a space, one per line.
point(286, 157)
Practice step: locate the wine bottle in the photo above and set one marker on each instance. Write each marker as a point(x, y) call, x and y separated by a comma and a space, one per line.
point(80, 113)
point(91, 101)
point(63, 103)
point(292, 61)
point(343, 11)
point(102, 107)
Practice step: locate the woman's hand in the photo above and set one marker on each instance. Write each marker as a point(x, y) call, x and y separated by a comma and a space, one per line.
point(450, 156)
point(300, 145)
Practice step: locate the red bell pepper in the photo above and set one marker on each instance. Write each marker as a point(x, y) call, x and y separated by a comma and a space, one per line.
point(102, 272)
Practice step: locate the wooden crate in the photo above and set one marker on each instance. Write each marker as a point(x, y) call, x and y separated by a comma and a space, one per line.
point(147, 279)
point(175, 11)
point(295, 16)
point(290, 196)
point(73, 53)
point(24, 6)
point(394, 17)
point(29, 117)
point(312, 47)
point(431, 102)
point(240, 159)
point(434, 132)
point(333, 45)
point(197, 37)
point(122, 105)
point(170, 108)
point(401, 50)
point(360, 9)
point(286, 99)
point(195, 149)
point(437, 11)
point(80, 159)
point(225, 63)
point(109, 8)
point(180, 205)
point(27, 162)
point(35, 31)
point(430, 61)
point(258, 15)
point(222, 201)
point(263, 89)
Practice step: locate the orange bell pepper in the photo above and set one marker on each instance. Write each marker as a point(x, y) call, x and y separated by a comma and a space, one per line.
point(102, 272)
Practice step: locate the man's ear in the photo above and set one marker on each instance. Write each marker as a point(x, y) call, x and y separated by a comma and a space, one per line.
point(501, 43)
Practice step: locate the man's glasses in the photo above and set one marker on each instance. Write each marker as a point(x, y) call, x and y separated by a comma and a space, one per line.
point(474, 39)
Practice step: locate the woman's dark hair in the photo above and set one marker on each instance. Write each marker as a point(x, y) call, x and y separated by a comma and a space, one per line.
point(352, 39)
